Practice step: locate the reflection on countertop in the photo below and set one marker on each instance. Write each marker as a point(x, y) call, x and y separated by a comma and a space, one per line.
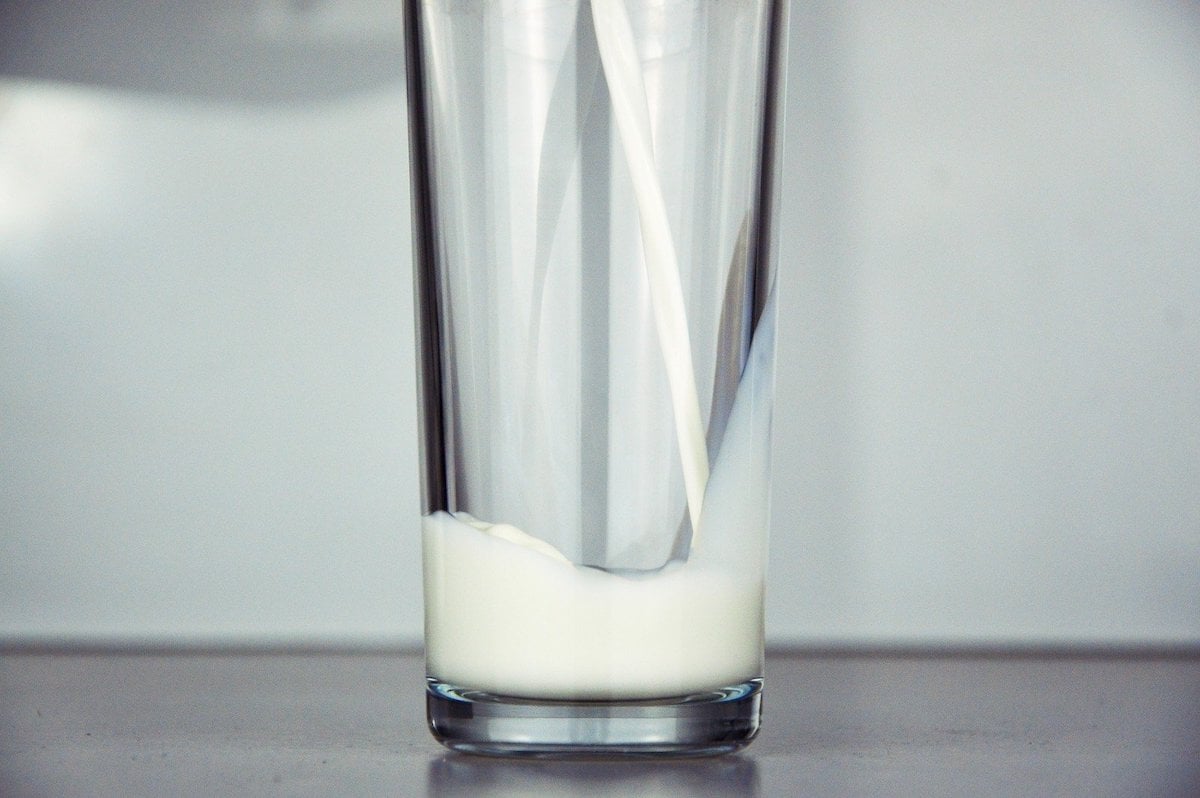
point(461, 776)
point(339, 722)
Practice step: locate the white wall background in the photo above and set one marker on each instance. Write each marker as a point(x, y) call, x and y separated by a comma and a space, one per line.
point(989, 392)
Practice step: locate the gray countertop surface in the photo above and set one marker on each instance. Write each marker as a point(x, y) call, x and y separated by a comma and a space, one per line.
point(135, 723)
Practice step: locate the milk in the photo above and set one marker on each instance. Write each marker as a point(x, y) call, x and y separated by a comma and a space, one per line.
point(508, 614)
point(622, 71)
point(513, 622)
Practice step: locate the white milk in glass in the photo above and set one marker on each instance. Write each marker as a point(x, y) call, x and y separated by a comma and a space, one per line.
point(507, 613)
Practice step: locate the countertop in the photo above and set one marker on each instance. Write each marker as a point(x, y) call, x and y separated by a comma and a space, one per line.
point(159, 722)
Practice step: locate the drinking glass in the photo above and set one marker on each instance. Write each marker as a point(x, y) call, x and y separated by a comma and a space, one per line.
point(594, 186)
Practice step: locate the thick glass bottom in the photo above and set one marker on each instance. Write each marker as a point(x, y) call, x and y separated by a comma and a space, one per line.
point(705, 724)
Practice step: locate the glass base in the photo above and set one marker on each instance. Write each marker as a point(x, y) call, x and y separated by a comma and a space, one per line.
point(705, 724)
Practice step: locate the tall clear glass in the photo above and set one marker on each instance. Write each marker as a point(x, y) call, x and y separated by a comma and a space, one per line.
point(593, 188)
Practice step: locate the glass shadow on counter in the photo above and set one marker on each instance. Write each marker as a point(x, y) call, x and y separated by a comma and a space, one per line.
point(462, 776)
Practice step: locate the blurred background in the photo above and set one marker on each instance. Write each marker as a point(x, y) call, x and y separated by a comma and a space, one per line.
point(988, 421)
